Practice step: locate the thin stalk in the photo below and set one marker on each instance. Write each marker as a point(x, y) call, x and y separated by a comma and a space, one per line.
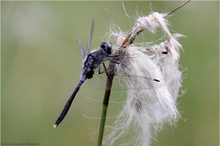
point(105, 108)
point(109, 82)
point(178, 8)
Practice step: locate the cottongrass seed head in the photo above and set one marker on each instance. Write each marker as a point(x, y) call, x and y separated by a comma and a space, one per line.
point(153, 86)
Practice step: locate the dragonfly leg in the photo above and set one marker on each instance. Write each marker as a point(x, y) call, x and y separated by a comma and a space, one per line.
point(113, 61)
point(105, 69)
point(99, 71)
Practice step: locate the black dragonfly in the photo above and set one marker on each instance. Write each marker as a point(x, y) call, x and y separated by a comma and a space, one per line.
point(91, 61)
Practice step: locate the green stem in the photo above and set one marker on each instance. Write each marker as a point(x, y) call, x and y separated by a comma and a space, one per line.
point(127, 41)
point(102, 124)
point(105, 106)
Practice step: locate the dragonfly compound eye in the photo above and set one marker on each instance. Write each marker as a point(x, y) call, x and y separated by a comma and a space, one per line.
point(107, 47)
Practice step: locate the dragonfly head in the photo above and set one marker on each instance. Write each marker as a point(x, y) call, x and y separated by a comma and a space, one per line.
point(106, 47)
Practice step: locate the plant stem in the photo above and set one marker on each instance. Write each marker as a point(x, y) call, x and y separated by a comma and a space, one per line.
point(126, 43)
point(105, 107)
point(102, 124)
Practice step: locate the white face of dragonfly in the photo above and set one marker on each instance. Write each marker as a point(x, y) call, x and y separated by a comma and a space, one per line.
point(106, 48)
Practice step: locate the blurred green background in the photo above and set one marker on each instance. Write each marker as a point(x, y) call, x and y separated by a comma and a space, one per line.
point(41, 65)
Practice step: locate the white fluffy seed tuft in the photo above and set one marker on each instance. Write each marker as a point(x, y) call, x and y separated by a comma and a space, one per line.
point(153, 86)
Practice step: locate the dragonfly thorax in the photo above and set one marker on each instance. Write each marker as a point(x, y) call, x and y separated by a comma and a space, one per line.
point(106, 48)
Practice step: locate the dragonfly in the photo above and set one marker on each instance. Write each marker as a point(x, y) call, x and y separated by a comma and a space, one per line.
point(94, 67)
point(91, 61)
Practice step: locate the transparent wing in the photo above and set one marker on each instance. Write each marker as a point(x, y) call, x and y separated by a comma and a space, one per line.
point(91, 34)
point(82, 50)
point(85, 51)
point(121, 81)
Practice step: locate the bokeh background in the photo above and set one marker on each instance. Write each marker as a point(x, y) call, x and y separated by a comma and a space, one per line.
point(41, 65)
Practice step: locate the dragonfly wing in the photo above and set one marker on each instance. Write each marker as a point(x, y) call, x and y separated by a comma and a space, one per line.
point(91, 34)
point(82, 50)
point(121, 81)
point(85, 51)
point(99, 82)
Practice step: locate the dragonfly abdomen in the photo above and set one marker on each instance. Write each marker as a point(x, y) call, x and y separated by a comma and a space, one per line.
point(69, 102)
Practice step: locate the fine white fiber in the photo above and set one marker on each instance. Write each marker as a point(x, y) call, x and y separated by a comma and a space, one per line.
point(153, 84)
